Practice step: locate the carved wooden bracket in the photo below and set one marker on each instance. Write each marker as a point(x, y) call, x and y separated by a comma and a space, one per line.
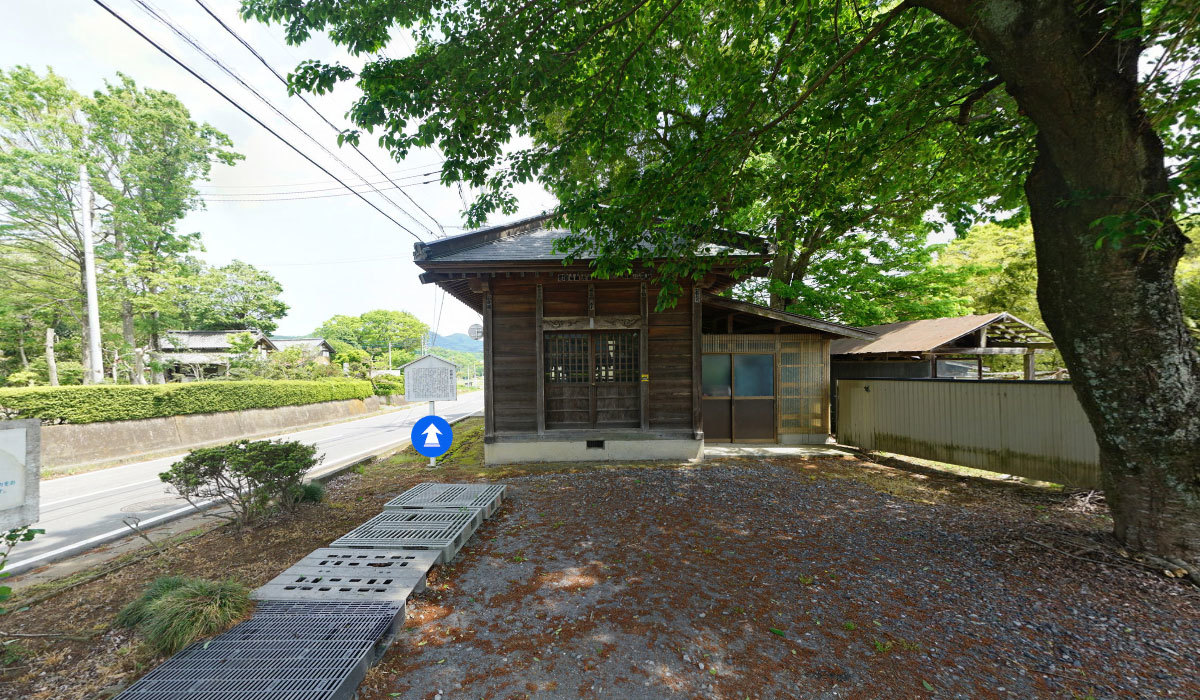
point(586, 323)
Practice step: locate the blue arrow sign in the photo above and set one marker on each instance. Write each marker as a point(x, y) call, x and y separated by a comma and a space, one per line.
point(432, 436)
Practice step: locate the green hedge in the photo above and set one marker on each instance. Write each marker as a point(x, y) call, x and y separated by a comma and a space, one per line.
point(93, 404)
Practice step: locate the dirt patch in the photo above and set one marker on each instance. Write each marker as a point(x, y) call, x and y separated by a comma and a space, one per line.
point(827, 577)
point(819, 578)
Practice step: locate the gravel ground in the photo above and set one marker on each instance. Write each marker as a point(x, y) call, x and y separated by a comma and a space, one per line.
point(781, 580)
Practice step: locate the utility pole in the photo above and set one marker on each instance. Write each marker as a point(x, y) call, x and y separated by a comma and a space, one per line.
point(389, 354)
point(95, 368)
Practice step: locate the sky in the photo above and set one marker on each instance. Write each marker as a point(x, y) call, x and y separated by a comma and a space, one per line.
point(332, 254)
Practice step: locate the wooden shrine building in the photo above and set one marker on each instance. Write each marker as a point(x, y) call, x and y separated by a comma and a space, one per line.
point(580, 368)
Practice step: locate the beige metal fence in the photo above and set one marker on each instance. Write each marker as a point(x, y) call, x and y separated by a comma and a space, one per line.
point(1031, 429)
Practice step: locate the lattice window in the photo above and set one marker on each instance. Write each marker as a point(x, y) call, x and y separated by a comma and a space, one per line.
point(566, 358)
point(617, 357)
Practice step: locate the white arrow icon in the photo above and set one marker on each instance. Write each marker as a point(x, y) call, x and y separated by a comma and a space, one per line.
point(431, 436)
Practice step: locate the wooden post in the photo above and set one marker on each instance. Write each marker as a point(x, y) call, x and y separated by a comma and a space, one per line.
point(1030, 365)
point(541, 364)
point(697, 416)
point(489, 385)
point(933, 366)
point(644, 358)
point(778, 381)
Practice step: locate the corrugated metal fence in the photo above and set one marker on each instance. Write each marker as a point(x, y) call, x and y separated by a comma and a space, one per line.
point(1031, 429)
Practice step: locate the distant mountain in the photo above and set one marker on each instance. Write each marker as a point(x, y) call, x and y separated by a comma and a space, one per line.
point(458, 341)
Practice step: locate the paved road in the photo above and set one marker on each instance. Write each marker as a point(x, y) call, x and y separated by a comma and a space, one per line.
point(86, 510)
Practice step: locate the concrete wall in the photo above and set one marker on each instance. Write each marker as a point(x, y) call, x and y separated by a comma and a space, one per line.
point(118, 441)
point(1032, 429)
point(578, 451)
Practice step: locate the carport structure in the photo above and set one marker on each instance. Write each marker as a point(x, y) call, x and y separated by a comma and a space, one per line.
point(913, 349)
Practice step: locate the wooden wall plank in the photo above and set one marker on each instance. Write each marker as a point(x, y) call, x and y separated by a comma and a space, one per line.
point(489, 387)
point(697, 414)
point(539, 338)
point(644, 357)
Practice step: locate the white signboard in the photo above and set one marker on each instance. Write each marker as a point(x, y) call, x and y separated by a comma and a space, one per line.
point(430, 378)
point(20, 464)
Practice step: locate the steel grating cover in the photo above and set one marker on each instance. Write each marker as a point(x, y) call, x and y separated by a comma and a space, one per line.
point(433, 529)
point(302, 608)
point(224, 668)
point(486, 497)
point(338, 574)
point(316, 628)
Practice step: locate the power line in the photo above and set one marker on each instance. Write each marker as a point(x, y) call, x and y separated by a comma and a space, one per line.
point(324, 189)
point(322, 182)
point(195, 44)
point(218, 197)
point(315, 111)
point(243, 110)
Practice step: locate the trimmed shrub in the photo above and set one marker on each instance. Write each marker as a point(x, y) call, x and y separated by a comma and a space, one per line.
point(196, 609)
point(247, 476)
point(386, 385)
point(135, 613)
point(312, 492)
point(97, 403)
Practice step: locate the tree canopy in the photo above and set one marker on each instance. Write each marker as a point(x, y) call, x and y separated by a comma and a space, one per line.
point(661, 124)
point(144, 154)
point(377, 332)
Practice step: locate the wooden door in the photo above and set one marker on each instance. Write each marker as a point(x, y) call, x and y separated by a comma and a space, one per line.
point(592, 380)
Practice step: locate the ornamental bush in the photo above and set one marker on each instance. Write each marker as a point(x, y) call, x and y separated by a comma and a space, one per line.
point(247, 476)
point(387, 385)
point(97, 403)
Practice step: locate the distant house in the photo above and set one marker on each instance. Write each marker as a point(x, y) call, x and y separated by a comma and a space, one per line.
point(316, 349)
point(191, 355)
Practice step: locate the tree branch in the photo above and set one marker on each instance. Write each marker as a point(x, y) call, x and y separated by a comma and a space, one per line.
point(964, 107)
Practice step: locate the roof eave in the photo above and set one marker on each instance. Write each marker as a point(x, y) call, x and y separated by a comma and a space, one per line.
point(786, 317)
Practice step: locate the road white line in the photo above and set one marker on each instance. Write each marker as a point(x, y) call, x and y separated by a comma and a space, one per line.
point(84, 545)
point(89, 494)
point(103, 537)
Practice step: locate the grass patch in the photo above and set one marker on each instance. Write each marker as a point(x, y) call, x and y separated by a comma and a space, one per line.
point(194, 609)
point(134, 614)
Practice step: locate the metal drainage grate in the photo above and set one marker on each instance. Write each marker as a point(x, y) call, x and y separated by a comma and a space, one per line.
point(390, 613)
point(318, 628)
point(258, 670)
point(437, 530)
point(486, 497)
point(307, 609)
point(335, 574)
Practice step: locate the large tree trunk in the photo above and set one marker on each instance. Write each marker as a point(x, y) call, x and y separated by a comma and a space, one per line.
point(139, 366)
point(85, 350)
point(157, 376)
point(51, 362)
point(127, 333)
point(1114, 311)
point(21, 350)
